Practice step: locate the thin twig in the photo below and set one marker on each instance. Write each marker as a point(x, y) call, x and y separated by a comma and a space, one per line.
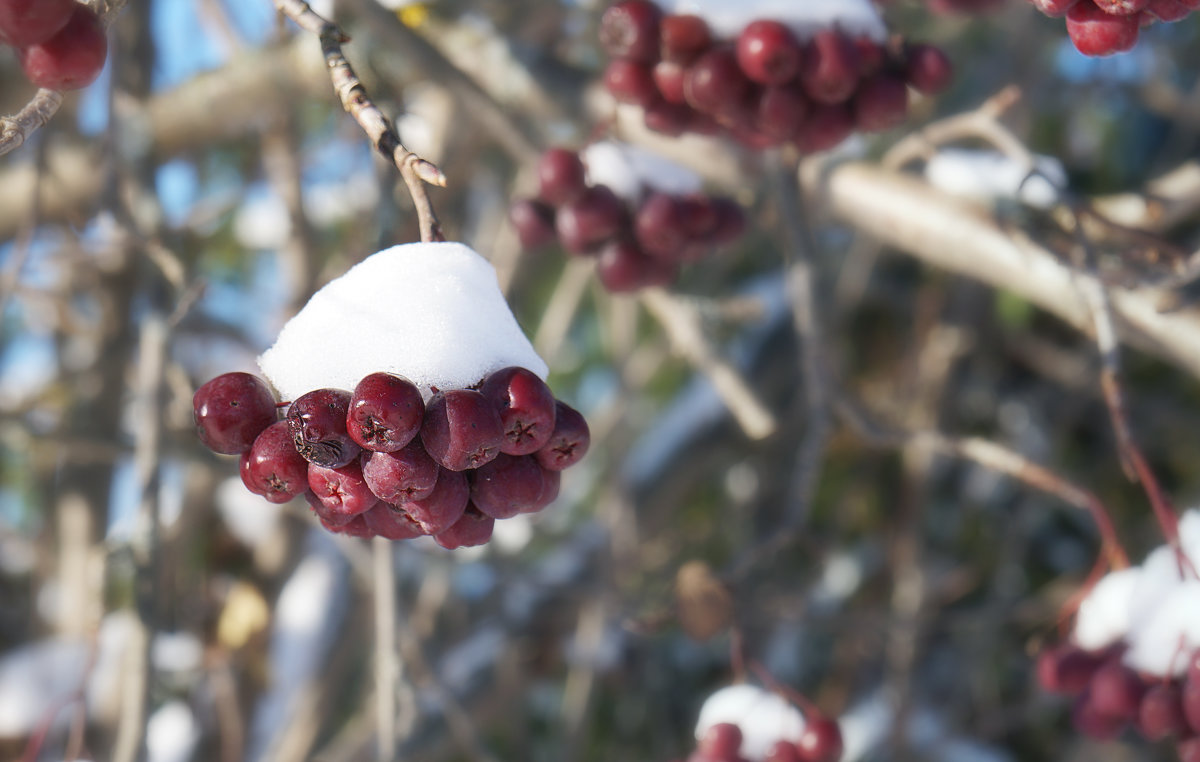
point(982, 122)
point(415, 171)
point(994, 457)
point(682, 324)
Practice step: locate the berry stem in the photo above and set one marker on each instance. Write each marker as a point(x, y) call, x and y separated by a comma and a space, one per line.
point(417, 172)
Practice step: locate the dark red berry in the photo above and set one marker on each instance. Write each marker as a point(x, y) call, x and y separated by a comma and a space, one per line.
point(342, 490)
point(551, 482)
point(1160, 714)
point(668, 78)
point(401, 476)
point(231, 410)
point(768, 53)
point(659, 226)
point(472, 528)
point(829, 67)
point(462, 429)
point(391, 523)
point(318, 424)
point(534, 223)
point(589, 221)
point(72, 58)
point(385, 412)
point(569, 442)
point(820, 741)
point(684, 38)
point(880, 103)
point(629, 29)
point(273, 468)
point(561, 176)
point(526, 407)
point(506, 486)
point(825, 128)
point(444, 505)
point(782, 110)
point(721, 741)
point(28, 22)
point(631, 82)
point(1096, 33)
point(783, 751)
point(1116, 691)
point(1091, 722)
point(927, 68)
point(714, 82)
point(1066, 669)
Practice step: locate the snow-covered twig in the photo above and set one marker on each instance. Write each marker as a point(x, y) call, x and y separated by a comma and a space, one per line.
point(415, 171)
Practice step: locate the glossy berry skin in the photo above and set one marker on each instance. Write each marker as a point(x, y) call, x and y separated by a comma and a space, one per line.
point(1054, 8)
point(342, 490)
point(462, 429)
point(561, 176)
point(659, 226)
point(472, 528)
point(629, 29)
point(880, 103)
point(768, 53)
point(29, 22)
point(820, 741)
point(569, 442)
point(506, 486)
point(714, 81)
point(385, 412)
point(1096, 33)
point(534, 223)
point(631, 82)
point(444, 505)
point(318, 424)
point(272, 467)
point(401, 476)
point(231, 410)
point(551, 483)
point(72, 58)
point(327, 517)
point(623, 267)
point(526, 407)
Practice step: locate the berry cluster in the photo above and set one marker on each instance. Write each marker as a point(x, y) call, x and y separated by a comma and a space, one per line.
point(820, 741)
point(60, 44)
point(1104, 27)
point(1110, 696)
point(636, 243)
point(767, 87)
point(380, 461)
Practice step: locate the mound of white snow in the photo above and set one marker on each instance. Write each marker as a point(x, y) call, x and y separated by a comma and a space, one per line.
point(431, 312)
point(630, 170)
point(763, 717)
point(727, 18)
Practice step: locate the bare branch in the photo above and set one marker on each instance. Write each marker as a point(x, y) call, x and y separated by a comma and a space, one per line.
point(349, 88)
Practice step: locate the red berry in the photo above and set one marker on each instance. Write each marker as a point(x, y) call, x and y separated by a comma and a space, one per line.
point(880, 103)
point(1054, 7)
point(668, 78)
point(390, 522)
point(461, 429)
point(342, 490)
point(72, 58)
point(623, 267)
point(534, 222)
point(768, 53)
point(629, 29)
point(721, 741)
point(472, 528)
point(402, 476)
point(506, 486)
point(825, 128)
point(589, 221)
point(631, 82)
point(231, 410)
point(272, 467)
point(820, 741)
point(1096, 33)
point(385, 412)
point(782, 110)
point(684, 38)
point(927, 68)
point(561, 176)
point(443, 506)
point(318, 423)
point(569, 442)
point(1116, 691)
point(829, 67)
point(1161, 712)
point(29, 22)
point(714, 81)
point(526, 407)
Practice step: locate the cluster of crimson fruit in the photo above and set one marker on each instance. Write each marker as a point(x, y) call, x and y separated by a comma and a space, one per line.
point(61, 44)
point(635, 244)
point(820, 741)
point(766, 88)
point(1111, 697)
point(1104, 27)
point(379, 461)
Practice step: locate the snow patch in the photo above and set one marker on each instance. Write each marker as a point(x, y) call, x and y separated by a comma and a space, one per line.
point(1103, 617)
point(992, 175)
point(630, 170)
point(857, 18)
point(431, 312)
point(763, 717)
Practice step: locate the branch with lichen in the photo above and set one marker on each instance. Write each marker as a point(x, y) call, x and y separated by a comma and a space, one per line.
point(415, 171)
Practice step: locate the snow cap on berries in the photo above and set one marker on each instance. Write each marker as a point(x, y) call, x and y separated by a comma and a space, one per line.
point(804, 17)
point(1103, 617)
point(763, 717)
point(630, 171)
point(431, 312)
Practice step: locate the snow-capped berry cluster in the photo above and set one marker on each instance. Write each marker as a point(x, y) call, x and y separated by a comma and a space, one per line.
point(744, 723)
point(417, 404)
point(640, 215)
point(806, 73)
point(1133, 658)
point(60, 44)
point(1104, 27)
point(378, 461)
